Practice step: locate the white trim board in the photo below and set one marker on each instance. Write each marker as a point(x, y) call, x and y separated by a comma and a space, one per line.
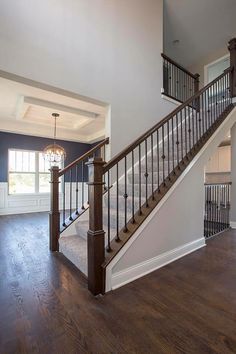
point(29, 203)
point(132, 273)
point(177, 103)
point(210, 64)
point(233, 224)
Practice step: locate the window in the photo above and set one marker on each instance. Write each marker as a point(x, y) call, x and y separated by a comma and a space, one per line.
point(28, 172)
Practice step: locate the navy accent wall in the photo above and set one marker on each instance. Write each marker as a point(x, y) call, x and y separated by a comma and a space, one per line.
point(17, 141)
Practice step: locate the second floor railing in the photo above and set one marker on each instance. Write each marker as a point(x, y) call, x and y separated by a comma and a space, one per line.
point(178, 83)
point(217, 208)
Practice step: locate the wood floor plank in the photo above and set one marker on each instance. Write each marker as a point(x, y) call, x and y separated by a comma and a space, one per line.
point(187, 307)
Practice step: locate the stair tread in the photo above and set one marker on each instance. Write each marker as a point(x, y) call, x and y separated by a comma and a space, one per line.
point(75, 249)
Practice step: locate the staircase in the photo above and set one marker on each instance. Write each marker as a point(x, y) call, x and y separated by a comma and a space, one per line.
point(91, 226)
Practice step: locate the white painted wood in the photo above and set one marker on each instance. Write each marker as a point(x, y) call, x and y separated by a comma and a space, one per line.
point(177, 103)
point(28, 203)
point(233, 224)
point(130, 274)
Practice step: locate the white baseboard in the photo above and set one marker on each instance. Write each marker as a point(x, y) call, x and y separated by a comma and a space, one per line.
point(233, 224)
point(128, 275)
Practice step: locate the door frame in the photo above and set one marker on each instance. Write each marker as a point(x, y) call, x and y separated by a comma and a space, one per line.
point(206, 67)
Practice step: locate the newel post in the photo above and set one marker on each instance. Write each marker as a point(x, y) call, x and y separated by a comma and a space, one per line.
point(232, 50)
point(96, 238)
point(54, 214)
point(196, 83)
point(196, 89)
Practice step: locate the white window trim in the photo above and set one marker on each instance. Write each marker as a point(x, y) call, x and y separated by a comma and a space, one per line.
point(206, 67)
point(36, 173)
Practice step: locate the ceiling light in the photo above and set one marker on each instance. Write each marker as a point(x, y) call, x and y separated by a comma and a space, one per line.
point(54, 153)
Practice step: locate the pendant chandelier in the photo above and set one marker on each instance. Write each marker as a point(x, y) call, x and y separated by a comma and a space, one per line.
point(54, 153)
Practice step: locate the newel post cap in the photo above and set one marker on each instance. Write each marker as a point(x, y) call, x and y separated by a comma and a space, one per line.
point(232, 44)
point(95, 161)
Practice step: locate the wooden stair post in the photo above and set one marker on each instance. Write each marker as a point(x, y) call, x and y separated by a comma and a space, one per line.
point(232, 50)
point(196, 89)
point(54, 215)
point(96, 234)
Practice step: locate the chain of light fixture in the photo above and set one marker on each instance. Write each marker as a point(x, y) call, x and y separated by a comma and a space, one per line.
point(54, 153)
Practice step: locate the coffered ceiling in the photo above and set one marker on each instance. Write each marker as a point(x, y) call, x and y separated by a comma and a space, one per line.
point(26, 109)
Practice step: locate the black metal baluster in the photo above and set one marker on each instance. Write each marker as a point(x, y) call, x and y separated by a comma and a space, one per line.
point(185, 132)
point(133, 219)
point(125, 196)
point(193, 128)
point(181, 134)
point(71, 195)
point(173, 144)
point(168, 148)
point(189, 129)
point(146, 175)
point(108, 214)
point(117, 203)
point(64, 200)
point(177, 138)
point(140, 189)
point(82, 171)
point(158, 162)
point(152, 167)
point(163, 155)
point(77, 191)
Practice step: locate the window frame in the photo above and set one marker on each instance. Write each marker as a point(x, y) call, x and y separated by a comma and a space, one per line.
point(36, 173)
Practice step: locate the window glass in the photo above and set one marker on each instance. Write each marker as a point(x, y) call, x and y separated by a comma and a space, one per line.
point(28, 172)
point(44, 185)
point(21, 183)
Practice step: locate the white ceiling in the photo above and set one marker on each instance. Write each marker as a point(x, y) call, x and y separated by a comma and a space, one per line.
point(202, 27)
point(26, 109)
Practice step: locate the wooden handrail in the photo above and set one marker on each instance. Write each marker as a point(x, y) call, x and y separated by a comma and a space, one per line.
point(84, 156)
point(217, 184)
point(144, 136)
point(194, 76)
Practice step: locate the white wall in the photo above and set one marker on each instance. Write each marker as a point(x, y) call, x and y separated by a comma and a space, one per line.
point(199, 67)
point(38, 202)
point(220, 161)
point(104, 49)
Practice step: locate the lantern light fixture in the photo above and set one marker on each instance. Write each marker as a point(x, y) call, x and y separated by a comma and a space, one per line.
point(54, 153)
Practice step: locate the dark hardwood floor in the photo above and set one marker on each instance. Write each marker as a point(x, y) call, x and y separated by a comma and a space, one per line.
point(188, 306)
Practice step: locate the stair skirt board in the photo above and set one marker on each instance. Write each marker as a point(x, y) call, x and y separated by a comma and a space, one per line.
point(132, 273)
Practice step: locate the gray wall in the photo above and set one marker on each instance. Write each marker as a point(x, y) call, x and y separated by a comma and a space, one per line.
point(104, 49)
point(17, 141)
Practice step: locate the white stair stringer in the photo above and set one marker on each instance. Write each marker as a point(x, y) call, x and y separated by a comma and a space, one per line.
point(175, 227)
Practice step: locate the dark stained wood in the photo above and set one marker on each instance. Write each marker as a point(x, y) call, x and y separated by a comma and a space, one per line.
point(232, 50)
point(159, 194)
point(96, 234)
point(54, 215)
point(84, 156)
point(180, 67)
point(196, 89)
point(187, 307)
